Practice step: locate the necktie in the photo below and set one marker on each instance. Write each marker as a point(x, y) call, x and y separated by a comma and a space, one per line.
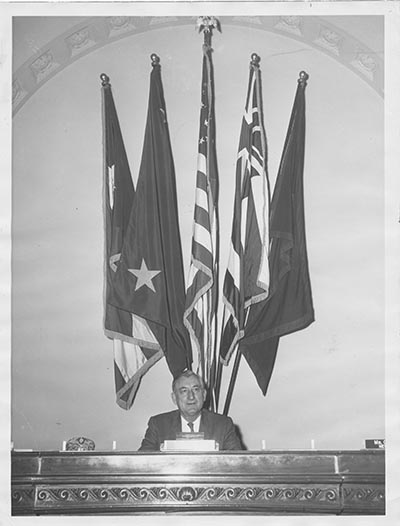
point(191, 425)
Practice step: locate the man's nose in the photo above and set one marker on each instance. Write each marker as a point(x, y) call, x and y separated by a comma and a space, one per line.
point(190, 394)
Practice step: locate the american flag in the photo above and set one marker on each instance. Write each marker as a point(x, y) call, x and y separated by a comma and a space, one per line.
point(201, 294)
point(247, 276)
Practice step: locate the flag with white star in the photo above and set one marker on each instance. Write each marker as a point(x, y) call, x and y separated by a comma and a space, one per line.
point(201, 294)
point(118, 195)
point(118, 198)
point(149, 281)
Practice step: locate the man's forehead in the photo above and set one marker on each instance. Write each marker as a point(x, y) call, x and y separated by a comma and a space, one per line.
point(188, 381)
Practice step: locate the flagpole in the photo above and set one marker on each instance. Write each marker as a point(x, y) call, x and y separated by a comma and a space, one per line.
point(218, 369)
point(238, 356)
point(217, 383)
point(232, 382)
point(207, 24)
point(105, 84)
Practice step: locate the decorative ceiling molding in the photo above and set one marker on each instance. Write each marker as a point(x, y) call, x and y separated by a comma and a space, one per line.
point(95, 32)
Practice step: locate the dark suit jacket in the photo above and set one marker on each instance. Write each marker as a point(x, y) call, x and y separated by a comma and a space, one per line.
point(214, 426)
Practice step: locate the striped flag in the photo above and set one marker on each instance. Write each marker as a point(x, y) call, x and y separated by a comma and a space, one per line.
point(202, 286)
point(130, 360)
point(247, 276)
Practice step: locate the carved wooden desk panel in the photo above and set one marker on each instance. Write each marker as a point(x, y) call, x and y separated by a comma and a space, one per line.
point(270, 482)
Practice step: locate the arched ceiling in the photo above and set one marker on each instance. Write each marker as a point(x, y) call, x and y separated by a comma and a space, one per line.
point(43, 46)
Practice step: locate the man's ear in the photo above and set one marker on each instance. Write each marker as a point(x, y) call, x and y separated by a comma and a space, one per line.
point(173, 398)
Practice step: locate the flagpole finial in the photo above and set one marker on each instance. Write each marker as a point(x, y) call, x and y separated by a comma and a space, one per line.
point(155, 59)
point(255, 60)
point(105, 80)
point(303, 77)
point(207, 24)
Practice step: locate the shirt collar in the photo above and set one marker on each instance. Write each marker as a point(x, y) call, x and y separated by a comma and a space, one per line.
point(196, 425)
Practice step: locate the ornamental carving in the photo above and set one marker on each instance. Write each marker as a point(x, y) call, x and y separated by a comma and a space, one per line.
point(367, 61)
point(124, 495)
point(187, 493)
point(18, 93)
point(330, 40)
point(44, 65)
point(364, 495)
point(120, 24)
point(366, 64)
point(22, 497)
point(290, 24)
point(103, 30)
point(80, 41)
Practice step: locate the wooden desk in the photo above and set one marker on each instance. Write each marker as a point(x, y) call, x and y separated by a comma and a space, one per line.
point(267, 482)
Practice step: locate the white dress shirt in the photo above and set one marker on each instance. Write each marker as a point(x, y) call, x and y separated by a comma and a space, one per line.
point(186, 429)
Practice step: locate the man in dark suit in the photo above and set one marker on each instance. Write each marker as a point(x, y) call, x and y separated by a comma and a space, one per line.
point(189, 394)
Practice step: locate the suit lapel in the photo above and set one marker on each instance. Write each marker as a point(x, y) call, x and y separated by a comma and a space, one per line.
point(176, 428)
point(203, 423)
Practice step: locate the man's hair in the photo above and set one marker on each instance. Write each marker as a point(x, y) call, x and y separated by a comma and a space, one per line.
point(187, 374)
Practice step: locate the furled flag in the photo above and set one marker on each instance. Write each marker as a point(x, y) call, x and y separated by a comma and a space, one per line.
point(149, 280)
point(117, 204)
point(289, 306)
point(201, 294)
point(247, 276)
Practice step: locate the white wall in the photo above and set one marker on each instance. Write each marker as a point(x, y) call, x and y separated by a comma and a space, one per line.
point(328, 382)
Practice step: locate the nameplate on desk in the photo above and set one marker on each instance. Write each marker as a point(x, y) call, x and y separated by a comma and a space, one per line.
point(190, 444)
point(190, 436)
point(375, 443)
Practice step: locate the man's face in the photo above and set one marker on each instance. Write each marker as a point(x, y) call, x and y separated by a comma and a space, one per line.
point(189, 396)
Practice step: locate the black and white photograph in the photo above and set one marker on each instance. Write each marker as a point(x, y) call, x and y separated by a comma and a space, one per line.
point(200, 238)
